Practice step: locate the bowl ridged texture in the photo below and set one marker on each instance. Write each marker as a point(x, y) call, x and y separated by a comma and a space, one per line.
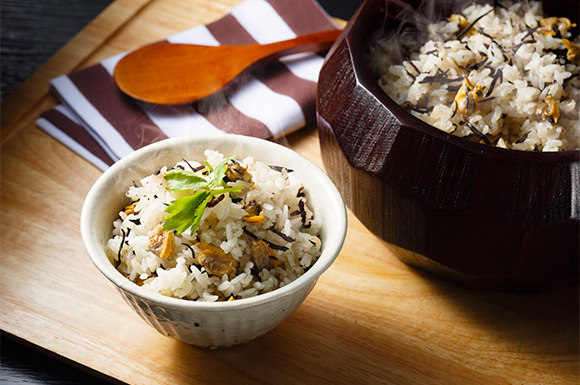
point(483, 217)
point(223, 328)
point(219, 324)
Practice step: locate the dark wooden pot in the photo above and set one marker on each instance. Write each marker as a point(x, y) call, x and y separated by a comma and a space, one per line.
point(483, 217)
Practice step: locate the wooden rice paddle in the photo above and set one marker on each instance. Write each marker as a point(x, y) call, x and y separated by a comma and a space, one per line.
point(166, 73)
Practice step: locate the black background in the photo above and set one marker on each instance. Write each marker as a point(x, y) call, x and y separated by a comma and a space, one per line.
point(31, 32)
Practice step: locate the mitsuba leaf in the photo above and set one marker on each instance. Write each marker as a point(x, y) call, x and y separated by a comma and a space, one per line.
point(199, 213)
point(181, 180)
point(218, 173)
point(186, 212)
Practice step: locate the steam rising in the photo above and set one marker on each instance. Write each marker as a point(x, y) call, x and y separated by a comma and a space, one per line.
point(503, 73)
point(413, 24)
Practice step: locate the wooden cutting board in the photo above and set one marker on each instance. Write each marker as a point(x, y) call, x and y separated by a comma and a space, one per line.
point(370, 319)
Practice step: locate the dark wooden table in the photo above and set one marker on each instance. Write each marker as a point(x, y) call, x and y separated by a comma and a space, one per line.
point(31, 32)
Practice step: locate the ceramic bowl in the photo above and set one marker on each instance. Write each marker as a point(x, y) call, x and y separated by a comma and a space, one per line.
point(216, 324)
point(480, 216)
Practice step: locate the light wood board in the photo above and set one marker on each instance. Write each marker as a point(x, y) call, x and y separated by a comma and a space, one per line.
point(370, 319)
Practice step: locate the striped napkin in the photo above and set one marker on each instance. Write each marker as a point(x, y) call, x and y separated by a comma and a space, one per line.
point(102, 124)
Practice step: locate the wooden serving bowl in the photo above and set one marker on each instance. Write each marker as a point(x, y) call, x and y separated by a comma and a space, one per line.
point(480, 216)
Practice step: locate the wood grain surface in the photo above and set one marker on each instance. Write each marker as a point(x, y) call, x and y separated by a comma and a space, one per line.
point(370, 319)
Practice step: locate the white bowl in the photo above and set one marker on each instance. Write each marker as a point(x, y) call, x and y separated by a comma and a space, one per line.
point(211, 324)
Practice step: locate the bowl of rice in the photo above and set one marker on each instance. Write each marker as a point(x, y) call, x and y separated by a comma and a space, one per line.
point(452, 131)
point(213, 239)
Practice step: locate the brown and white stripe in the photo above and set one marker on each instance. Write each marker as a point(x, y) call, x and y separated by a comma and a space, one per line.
point(69, 130)
point(267, 102)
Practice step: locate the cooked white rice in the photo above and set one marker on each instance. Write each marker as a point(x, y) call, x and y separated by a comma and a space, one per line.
point(289, 227)
point(509, 39)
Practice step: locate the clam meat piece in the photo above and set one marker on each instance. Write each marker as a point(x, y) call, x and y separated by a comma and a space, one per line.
point(263, 256)
point(552, 24)
point(255, 213)
point(215, 260)
point(548, 108)
point(235, 171)
point(466, 97)
point(161, 243)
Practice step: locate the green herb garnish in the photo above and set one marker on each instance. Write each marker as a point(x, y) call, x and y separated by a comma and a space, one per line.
point(186, 212)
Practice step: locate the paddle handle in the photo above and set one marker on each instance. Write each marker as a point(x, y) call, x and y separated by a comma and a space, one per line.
point(317, 41)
